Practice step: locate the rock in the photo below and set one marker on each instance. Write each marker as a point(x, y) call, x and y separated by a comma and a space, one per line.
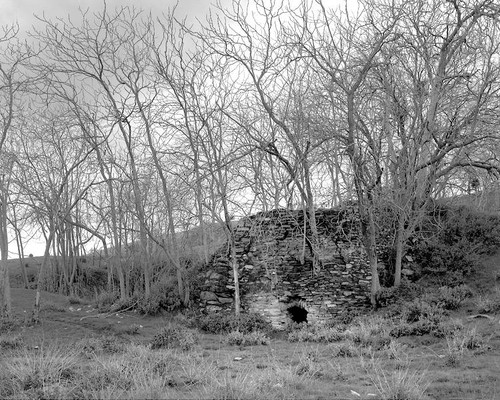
point(225, 300)
point(208, 296)
point(214, 276)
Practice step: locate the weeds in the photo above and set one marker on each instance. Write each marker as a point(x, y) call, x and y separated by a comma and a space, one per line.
point(400, 383)
point(489, 303)
point(459, 342)
point(174, 336)
point(43, 371)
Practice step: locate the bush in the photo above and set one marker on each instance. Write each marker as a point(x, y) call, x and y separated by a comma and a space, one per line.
point(461, 341)
point(489, 303)
point(105, 300)
point(236, 338)
point(458, 240)
point(221, 323)
point(174, 336)
point(420, 310)
point(449, 298)
point(407, 291)
point(447, 328)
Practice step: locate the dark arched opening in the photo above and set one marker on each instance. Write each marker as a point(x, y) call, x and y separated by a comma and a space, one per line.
point(297, 314)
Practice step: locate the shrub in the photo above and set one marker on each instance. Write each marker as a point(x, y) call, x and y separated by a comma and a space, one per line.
point(454, 250)
point(448, 298)
point(236, 338)
point(407, 291)
point(489, 303)
point(150, 306)
point(461, 341)
point(174, 336)
point(447, 328)
point(104, 300)
point(221, 323)
point(420, 310)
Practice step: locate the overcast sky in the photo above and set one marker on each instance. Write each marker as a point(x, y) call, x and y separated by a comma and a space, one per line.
point(23, 11)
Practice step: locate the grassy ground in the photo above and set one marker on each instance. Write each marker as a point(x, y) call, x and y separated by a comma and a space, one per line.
point(78, 352)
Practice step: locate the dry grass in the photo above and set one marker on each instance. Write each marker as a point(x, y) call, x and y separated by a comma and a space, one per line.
point(402, 383)
point(322, 362)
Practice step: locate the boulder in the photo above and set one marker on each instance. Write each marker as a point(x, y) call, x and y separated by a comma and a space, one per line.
point(208, 296)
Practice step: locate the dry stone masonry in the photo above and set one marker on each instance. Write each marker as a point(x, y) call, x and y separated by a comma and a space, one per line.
point(275, 268)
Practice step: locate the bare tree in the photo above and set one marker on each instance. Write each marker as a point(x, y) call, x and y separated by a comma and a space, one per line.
point(12, 81)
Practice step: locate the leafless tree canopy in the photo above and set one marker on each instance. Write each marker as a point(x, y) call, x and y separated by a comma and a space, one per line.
point(143, 139)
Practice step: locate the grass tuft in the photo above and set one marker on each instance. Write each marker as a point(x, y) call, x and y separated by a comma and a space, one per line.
point(401, 383)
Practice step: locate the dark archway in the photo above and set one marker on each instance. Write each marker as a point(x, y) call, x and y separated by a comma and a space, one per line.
point(297, 314)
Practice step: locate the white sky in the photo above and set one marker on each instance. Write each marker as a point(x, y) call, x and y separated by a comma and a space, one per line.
point(23, 11)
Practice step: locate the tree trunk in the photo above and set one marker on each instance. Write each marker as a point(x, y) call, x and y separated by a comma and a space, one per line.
point(234, 264)
point(400, 240)
point(35, 316)
point(5, 298)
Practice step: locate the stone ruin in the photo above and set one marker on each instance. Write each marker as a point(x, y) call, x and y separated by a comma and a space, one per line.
point(276, 273)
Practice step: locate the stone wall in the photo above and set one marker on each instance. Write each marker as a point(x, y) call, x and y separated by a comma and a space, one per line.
point(275, 268)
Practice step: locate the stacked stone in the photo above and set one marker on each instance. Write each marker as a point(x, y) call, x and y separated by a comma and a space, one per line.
point(275, 269)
